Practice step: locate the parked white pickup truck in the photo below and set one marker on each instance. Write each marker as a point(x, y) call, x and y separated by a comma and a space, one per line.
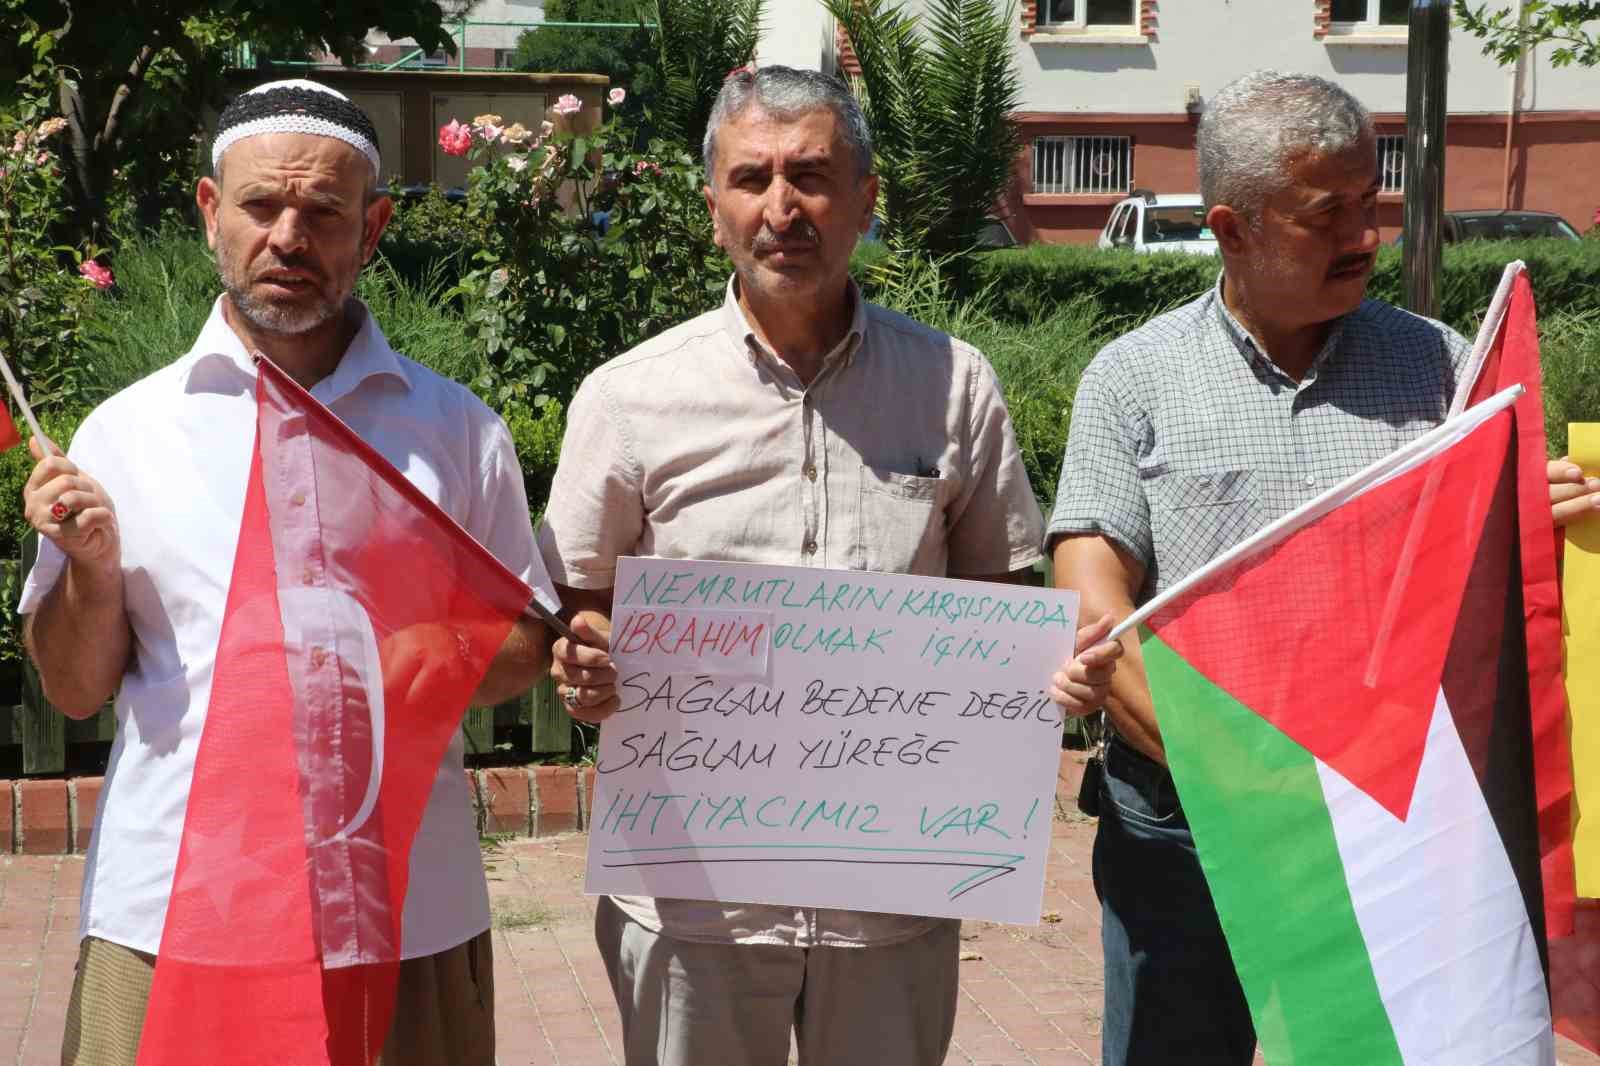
point(1147, 222)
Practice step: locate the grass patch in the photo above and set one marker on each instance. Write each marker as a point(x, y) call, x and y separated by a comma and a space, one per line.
point(1039, 313)
point(532, 916)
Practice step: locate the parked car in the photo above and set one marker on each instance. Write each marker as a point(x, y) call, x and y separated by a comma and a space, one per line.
point(1502, 226)
point(1148, 222)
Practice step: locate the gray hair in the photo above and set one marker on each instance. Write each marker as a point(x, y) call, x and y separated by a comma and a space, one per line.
point(788, 93)
point(1256, 124)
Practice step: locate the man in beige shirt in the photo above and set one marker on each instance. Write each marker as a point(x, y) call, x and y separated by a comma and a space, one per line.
point(799, 425)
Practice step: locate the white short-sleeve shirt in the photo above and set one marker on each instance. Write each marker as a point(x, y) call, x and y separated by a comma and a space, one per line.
point(173, 453)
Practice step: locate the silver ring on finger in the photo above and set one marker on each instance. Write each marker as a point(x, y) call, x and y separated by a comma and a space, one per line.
point(570, 697)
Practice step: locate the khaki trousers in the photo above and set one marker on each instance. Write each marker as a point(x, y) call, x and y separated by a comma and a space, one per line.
point(444, 1012)
point(686, 1003)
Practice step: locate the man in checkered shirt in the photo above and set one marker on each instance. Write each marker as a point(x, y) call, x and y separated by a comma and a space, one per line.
point(1193, 432)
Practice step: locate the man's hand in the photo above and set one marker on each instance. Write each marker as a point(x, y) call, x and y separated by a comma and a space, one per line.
point(1573, 497)
point(79, 636)
point(1080, 687)
point(73, 511)
point(586, 678)
point(425, 663)
point(430, 661)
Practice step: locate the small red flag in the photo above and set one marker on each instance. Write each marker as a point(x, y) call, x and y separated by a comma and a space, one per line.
point(359, 621)
point(9, 437)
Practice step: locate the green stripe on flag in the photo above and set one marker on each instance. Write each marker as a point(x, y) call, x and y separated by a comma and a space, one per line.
point(1255, 804)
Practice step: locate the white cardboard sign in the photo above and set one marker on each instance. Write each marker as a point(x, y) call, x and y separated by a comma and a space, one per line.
point(827, 738)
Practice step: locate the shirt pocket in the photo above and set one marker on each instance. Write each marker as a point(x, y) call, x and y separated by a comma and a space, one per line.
point(899, 523)
point(1197, 515)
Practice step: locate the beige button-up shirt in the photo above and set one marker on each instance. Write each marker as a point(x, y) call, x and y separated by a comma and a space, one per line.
point(899, 457)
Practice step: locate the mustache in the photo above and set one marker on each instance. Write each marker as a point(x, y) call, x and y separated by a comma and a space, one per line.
point(289, 266)
point(1350, 262)
point(802, 232)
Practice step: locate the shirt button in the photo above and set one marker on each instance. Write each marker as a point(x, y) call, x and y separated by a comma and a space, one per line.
point(298, 499)
point(309, 577)
point(811, 472)
point(1311, 482)
point(809, 547)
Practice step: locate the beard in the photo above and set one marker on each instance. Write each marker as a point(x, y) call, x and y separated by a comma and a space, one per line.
point(321, 302)
point(757, 275)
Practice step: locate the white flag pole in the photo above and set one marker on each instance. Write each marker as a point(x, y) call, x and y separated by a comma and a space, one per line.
point(1487, 332)
point(27, 412)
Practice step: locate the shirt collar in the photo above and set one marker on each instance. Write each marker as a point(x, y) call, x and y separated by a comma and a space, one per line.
point(746, 340)
point(1246, 344)
point(218, 358)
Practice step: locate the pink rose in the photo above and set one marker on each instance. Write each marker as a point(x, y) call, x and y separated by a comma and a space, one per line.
point(98, 275)
point(616, 96)
point(455, 138)
point(568, 105)
point(51, 126)
point(645, 166)
point(41, 159)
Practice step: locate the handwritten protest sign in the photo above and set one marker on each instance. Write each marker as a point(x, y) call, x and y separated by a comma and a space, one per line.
point(830, 738)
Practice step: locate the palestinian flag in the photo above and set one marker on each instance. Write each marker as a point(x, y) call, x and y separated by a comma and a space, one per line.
point(1348, 710)
point(1507, 352)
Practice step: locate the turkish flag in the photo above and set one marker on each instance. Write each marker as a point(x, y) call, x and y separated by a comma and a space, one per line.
point(360, 618)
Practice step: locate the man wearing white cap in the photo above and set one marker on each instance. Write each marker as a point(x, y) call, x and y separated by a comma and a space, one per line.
point(139, 523)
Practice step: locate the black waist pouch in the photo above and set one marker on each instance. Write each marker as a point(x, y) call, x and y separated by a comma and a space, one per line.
point(1089, 790)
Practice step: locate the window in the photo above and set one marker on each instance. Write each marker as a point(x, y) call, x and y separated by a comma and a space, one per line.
point(1164, 225)
point(1371, 12)
point(1084, 13)
point(1082, 165)
point(1392, 163)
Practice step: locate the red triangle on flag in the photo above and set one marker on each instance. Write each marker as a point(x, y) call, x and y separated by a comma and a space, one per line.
point(1338, 634)
point(359, 621)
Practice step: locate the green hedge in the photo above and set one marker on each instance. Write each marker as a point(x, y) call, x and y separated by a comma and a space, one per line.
point(1031, 283)
point(1043, 315)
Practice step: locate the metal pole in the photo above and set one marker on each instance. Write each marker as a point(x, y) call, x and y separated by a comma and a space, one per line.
point(1427, 72)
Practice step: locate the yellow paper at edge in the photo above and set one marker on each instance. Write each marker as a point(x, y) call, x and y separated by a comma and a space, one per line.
point(1580, 590)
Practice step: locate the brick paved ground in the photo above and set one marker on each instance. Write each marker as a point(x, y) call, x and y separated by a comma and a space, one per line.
point(1028, 996)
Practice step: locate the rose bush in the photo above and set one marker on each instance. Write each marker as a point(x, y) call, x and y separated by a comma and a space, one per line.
point(588, 248)
point(44, 285)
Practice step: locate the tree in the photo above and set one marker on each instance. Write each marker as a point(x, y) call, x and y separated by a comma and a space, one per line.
point(627, 57)
point(109, 55)
point(938, 92)
point(1543, 22)
point(697, 44)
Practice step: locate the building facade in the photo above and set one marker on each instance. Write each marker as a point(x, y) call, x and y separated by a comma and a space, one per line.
point(485, 37)
point(1113, 91)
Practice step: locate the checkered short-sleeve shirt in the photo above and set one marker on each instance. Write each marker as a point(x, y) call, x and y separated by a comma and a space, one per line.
point(1186, 438)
